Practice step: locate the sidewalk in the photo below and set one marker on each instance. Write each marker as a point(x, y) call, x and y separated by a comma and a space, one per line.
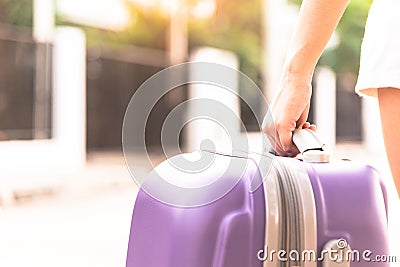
point(83, 220)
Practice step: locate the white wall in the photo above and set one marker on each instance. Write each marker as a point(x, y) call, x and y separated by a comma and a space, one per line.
point(325, 105)
point(66, 151)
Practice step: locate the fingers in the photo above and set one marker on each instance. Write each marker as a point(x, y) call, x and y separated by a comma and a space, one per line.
point(289, 111)
point(307, 125)
point(275, 141)
point(273, 138)
point(282, 140)
point(285, 135)
point(313, 127)
point(293, 114)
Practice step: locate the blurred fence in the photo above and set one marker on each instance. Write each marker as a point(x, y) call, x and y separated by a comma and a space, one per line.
point(25, 88)
point(114, 74)
point(348, 110)
point(17, 72)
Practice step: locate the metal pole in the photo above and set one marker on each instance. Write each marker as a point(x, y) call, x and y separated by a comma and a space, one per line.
point(178, 32)
point(177, 42)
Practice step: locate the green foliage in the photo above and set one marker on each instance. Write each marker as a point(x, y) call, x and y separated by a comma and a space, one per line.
point(236, 27)
point(145, 28)
point(346, 56)
point(16, 12)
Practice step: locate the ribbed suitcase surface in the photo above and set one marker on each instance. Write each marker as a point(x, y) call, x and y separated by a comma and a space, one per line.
point(299, 207)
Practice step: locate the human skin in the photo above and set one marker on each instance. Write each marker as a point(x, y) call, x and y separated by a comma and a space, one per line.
point(316, 24)
point(389, 105)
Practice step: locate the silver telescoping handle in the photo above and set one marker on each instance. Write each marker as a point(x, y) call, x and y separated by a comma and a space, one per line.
point(310, 145)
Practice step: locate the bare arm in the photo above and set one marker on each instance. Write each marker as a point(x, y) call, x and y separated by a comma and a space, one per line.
point(316, 24)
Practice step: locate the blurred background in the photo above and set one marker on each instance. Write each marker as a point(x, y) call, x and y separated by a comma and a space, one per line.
point(68, 69)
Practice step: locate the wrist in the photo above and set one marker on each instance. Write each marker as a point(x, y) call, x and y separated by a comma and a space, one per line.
point(298, 66)
point(296, 79)
point(297, 72)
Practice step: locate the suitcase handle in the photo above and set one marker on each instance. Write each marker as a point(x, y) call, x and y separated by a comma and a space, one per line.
point(310, 145)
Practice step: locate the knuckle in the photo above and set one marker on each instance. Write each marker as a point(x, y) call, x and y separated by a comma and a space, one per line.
point(279, 126)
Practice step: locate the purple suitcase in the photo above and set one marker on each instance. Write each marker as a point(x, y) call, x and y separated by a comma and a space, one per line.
point(300, 208)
